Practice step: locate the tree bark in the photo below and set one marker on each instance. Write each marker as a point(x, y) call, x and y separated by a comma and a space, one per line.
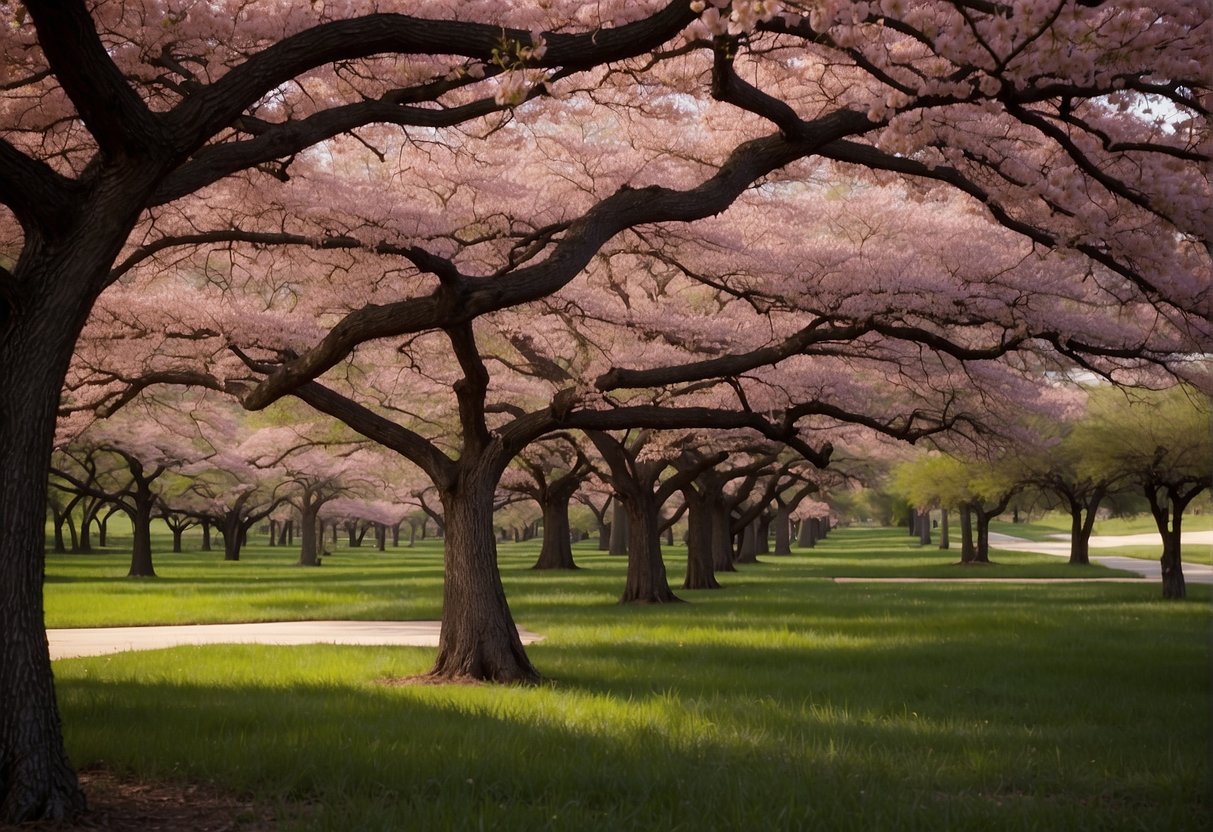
point(557, 549)
point(723, 556)
point(748, 553)
point(808, 533)
point(967, 551)
point(646, 580)
point(141, 531)
point(1080, 543)
point(945, 541)
point(783, 531)
point(478, 639)
point(700, 571)
point(619, 529)
point(36, 340)
point(309, 548)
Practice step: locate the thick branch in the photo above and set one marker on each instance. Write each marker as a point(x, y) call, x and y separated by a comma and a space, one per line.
point(451, 305)
point(414, 447)
point(112, 111)
point(216, 106)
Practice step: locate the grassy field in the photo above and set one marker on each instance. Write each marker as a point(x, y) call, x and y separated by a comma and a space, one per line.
point(784, 701)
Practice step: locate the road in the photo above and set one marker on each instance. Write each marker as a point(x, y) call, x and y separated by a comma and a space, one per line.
point(1197, 552)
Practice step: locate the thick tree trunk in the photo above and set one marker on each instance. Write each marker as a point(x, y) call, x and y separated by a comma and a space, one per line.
point(762, 535)
point(783, 531)
point(1080, 532)
point(808, 533)
point(36, 339)
point(309, 543)
point(1080, 543)
point(646, 580)
point(478, 639)
point(141, 530)
point(619, 529)
point(748, 553)
point(206, 535)
point(722, 535)
point(967, 551)
point(945, 541)
point(924, 528)
point(700, 572)
point(981, 553)
point(233, 537)
point(557, 549)
point(1173, 584)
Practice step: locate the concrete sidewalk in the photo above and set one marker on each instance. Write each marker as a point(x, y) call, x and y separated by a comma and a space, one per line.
point(1197, 552)
point(98, 641)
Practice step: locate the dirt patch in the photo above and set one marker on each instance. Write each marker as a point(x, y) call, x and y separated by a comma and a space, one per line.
point(118, 805)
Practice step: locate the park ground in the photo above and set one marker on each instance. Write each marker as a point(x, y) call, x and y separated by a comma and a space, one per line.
point(784, 701)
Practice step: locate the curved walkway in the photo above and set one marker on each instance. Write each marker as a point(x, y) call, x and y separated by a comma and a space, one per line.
point(1197, 552)
point(99, 641)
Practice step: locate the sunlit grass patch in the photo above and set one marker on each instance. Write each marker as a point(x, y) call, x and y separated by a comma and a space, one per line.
point(784, 701)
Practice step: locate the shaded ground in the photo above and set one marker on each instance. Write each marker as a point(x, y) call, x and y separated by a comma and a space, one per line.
point(130, 806)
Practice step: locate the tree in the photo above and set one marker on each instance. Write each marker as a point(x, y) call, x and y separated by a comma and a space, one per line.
point(1163, 442)
point(140, 109)
point(555, 471)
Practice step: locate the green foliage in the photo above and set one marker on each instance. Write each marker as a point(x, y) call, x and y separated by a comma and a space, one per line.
point(784, 701)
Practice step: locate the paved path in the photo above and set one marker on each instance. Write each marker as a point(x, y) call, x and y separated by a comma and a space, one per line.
point(1197, 552)
point(98, 641)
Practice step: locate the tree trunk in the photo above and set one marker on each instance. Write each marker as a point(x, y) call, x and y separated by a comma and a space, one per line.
point(646, 581)
point(103, 531)
point(924, 528)
point(1173, 584)
point(309, 548)
point(177, 530)
point(1080, 544)
point(1168, 510)
point(619, 529)
point(944, 541)
point(36, 340)
point(981, 553)
point(783, 531)
point(141, 530)
point(206, 534)
point(762, 534)
point(967, 550)
point(557, 549)
point(700, 572)
point(748, 553)
point(232, 537)
point(723, 556)
point(478, 639)
point(807, 538)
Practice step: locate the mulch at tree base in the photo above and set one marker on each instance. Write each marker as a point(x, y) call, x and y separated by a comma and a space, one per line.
point(117, 805)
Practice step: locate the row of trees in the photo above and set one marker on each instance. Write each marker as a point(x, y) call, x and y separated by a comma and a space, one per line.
point(1156, 447)
point(799, 221)
point(175, 460)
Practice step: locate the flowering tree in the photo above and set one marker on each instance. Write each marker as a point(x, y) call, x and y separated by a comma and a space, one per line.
point(116, 114)
point(553, 473)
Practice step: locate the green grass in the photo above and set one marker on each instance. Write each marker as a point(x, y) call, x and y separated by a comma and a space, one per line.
point(784, 701)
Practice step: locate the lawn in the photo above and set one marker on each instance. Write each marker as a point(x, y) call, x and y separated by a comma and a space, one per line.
point(784, 701)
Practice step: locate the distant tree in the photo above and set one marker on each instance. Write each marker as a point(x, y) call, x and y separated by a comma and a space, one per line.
point(1163, 442)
